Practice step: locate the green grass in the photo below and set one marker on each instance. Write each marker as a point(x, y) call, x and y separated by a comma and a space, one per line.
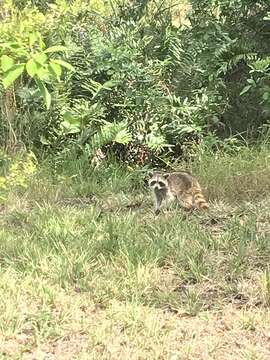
point(88, 272)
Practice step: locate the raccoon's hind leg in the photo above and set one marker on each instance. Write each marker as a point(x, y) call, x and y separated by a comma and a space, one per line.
point(170, 197)
point(186, 200)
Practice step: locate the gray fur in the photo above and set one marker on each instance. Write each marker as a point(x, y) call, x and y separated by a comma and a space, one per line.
point(167, 187)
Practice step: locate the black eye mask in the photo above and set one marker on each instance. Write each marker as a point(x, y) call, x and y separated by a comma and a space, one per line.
point(160, 183)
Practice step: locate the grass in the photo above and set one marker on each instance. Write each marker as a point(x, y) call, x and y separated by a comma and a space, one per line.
point(88, 272)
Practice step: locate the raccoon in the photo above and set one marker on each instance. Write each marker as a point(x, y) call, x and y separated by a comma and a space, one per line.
point(180, 186)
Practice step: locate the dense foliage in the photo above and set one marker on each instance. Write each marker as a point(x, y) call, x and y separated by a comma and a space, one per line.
point(142, 81)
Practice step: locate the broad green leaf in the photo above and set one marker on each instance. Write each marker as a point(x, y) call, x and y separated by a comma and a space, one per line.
point(43, 73)
point(63, 63)
point(55, 48)
point(15, 47)
point(70, 128)
point(31, 67)
point(41, 42)
point(32, 39)
point(55, 69)
point(70, 118)
point(108, 85)
point(44, 92)
point(12, 74)
point(266, 96)
point(70, 124)
point(10, 45)
point(41, 58)
point(6, 63)
point(245, 90)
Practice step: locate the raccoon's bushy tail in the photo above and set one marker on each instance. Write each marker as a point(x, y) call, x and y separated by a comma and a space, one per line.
point(199, 199)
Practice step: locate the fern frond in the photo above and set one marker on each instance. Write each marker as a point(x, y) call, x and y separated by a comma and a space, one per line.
point(178, 55)
point(108, 133)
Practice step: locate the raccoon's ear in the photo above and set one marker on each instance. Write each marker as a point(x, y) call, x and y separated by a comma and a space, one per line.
point(166, 175)
point(147, 177)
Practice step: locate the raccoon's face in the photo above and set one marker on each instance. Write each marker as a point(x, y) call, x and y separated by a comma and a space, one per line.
point(158, 182)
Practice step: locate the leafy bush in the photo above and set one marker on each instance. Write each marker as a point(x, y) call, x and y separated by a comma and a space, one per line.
point(156, 87)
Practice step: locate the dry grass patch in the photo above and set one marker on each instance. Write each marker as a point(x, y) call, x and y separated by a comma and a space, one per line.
point(134, 331)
